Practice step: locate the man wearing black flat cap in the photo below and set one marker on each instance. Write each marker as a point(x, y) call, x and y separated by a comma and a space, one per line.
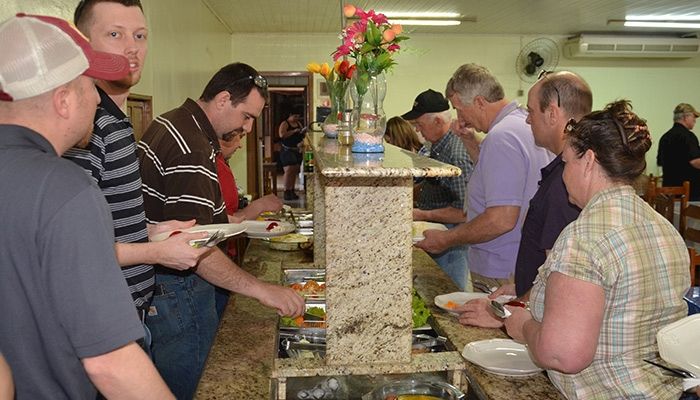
point(442, 199)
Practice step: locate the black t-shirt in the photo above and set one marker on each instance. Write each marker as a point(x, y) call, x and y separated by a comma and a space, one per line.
point(676, 148)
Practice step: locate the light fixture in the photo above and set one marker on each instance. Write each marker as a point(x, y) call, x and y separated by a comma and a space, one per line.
point(426, 22)
point(426, 18)
point(658, 21)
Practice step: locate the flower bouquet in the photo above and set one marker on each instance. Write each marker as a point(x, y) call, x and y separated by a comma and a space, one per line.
point(370, 41)
point(337, 81)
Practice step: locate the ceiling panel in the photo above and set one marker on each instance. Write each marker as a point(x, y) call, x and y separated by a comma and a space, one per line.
point(552, 17)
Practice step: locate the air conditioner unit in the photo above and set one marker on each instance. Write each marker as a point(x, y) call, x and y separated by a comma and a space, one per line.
point(612, 46)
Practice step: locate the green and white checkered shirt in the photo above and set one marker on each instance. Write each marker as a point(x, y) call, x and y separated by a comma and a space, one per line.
point(639, 259)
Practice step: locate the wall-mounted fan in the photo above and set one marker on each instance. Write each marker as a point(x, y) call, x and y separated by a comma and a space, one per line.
point(536, 56)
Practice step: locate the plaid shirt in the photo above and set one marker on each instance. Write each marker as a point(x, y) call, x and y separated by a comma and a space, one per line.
point(639, 259)
point(447, 191)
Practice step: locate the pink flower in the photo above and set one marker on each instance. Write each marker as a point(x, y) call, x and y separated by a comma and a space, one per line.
point(393, 47)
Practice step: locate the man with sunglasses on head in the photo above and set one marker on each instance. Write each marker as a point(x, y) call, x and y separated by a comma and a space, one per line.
point(119, 27)
point(178, 167)
point(504, 179)
point(554, 101)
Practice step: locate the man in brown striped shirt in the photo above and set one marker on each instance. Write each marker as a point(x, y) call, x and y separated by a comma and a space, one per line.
point(178, 168)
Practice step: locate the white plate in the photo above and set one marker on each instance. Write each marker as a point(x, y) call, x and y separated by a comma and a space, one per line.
point(420, 226)
point(258, 229)
point(679, 343)
point(460, 298)
point(228, 229)
point(501, 357)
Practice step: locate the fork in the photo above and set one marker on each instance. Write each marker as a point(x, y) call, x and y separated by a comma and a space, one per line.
point(213, 240)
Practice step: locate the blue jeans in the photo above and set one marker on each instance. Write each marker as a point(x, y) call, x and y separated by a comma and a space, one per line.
point(454, 262)
point(183, 323)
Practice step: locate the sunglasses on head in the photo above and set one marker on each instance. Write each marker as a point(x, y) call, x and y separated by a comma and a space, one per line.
point(258, 81)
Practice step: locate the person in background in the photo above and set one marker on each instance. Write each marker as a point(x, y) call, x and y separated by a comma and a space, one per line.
point(556, 99)
point(119, 27)
point(229, 191)
point(178, 168)
point(679, 152)
point(504, 180)
point(400, 133)
point(615, 276)
point(291, 133)
point(70, 326)
point(442, 199)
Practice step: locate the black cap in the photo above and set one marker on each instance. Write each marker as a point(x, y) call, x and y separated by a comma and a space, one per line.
point(429, 101)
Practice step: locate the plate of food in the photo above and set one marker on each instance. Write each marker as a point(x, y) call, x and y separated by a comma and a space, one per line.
point(420, 226)
point(503, 357)
point(289, 242)
point(450, 301)
point(227, 230)
point(267, 229)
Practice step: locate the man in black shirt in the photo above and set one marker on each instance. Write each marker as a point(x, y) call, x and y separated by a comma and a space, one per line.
point(679, 152)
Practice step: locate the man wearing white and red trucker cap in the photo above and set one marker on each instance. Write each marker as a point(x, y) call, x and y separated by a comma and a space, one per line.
point(70, 324)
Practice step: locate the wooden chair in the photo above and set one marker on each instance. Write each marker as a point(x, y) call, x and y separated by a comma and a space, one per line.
point(664, 205)
point(678, 193)
point(645, 186)
point(694, 266)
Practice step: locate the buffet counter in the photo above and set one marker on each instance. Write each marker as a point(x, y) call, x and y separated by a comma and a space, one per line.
point(242, 361)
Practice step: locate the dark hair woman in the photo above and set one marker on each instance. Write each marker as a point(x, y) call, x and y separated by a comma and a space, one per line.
point(614, 277)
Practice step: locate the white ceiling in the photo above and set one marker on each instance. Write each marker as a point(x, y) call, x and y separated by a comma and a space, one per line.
point(546, 17)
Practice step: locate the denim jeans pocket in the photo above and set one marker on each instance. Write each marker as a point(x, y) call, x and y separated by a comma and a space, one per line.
point(165, 320)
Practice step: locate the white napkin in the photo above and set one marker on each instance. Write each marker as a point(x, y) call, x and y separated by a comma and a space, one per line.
point(690, 383)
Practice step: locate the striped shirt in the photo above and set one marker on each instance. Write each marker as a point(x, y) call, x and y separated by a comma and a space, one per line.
point(639, 259)
point(110, 159)
point(178, 167)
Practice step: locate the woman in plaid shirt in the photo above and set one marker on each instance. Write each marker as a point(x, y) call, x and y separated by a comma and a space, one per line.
point(614, 277)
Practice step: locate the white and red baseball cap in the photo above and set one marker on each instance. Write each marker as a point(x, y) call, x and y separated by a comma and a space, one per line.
point(41, 53)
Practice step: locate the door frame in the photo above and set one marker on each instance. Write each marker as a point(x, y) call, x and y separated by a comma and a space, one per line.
point(277, 81)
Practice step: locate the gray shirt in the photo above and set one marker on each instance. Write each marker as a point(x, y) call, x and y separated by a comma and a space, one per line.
point(62, 294)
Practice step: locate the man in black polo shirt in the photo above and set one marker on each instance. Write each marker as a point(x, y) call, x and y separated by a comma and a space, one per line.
point(553, 101)
point(679, 152)
point(69, 323)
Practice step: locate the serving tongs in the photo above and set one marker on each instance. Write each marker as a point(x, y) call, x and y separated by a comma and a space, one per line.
point(288, 210)
point(677, 372)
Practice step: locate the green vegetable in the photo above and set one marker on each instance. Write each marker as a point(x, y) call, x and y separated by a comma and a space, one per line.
point(317, 311)
point(420, 311)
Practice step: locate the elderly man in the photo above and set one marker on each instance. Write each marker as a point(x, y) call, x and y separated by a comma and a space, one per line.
point(442, 199)
point(555, 100)
point(70, 324)
point(503, 182)
point(679, 152)
point(178, 168)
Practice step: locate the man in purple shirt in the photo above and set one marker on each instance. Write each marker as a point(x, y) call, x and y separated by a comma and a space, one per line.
point(553, 101)
point(504, 179)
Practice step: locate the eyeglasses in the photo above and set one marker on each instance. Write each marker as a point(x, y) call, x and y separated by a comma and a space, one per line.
point(258, 80)
point(543, 74)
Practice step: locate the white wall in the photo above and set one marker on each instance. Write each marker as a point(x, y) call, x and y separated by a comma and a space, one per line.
point(181, 61)
point(427, 61)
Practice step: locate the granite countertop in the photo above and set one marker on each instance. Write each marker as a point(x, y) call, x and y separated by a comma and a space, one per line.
point(242, 359)
point(336, 161)
point(429, 283)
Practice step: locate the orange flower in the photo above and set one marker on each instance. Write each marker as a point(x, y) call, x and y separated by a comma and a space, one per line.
point(349, 10)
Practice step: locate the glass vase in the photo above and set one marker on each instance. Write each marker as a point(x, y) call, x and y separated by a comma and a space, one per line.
point(338, 99)
point(368, 119)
